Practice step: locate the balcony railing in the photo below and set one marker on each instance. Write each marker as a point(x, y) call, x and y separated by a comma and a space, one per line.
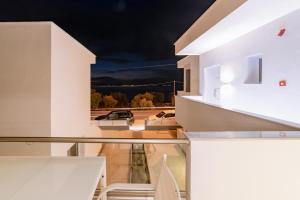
point(94, 140)
point(129, 160)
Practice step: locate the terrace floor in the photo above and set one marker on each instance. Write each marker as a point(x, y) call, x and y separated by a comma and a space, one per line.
point(118, 155)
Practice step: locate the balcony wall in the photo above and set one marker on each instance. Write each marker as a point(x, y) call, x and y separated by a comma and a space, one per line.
point(199, 116)
point(247, 168)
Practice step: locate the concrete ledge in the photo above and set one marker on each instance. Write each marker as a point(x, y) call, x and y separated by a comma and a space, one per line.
point(114, 127)
point(199, 116)
point(161, 127)
point(113, 124)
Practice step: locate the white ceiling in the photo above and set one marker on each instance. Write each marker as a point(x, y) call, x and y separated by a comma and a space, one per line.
point(248, 17)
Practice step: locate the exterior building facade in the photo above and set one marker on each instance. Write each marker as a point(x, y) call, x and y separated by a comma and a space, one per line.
point(241, 70)
point(241, 100)
point(45, 86)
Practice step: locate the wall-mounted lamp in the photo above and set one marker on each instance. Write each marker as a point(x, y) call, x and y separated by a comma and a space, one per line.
point(227, 75)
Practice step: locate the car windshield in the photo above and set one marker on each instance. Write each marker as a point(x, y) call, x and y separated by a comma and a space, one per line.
point(124, 114)
point(159, 115)
point(169, 115)
point(119, 114)
point(112, 116)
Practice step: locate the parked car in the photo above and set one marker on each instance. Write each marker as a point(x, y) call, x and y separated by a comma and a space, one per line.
point(164, 119)
point(118, 115)
point(166, 114)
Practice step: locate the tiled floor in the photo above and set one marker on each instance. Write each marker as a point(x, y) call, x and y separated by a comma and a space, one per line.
point(117, 159)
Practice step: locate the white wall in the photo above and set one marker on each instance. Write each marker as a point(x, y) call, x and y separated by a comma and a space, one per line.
point(190, 63)
point(281, 61)
point(70, 87)
point(244, 169)
point(25, 84)
point(44, 86)
point(24, 79)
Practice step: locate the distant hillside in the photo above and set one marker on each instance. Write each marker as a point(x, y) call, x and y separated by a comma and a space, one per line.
point(107, 81)
point(98, 81)
point(101, 84)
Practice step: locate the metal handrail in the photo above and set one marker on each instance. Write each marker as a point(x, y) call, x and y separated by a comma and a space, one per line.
point(93, 140)
point(134, 194)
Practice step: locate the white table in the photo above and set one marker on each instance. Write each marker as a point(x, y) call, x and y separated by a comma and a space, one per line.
point(50, 178)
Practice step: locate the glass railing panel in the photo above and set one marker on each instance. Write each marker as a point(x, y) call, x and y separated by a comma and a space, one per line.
point(141, 163)
point(117, 162)
point(176, 161)
point(125, 162)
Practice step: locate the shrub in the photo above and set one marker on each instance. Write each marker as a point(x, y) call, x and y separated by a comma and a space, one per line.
point(96, 99)
point(109, 102)
point(121, 98)
point(142, 100)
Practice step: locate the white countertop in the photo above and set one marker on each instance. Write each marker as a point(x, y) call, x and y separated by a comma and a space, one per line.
point(49, 178)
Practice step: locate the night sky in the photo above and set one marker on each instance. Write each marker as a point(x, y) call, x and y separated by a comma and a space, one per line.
point(133, 39)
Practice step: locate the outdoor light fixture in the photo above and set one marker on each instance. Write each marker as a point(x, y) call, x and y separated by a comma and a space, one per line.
point(227, 75)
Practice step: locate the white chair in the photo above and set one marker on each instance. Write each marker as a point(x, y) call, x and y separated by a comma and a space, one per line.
point(165, 189)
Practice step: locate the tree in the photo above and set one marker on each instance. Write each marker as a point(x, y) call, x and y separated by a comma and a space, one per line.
point(148, 96)
point(158, 99)
point(96, 99)
point(135, 102)
point(146, 103)
point(109, 102)
point(142, 100)
point(121, 98)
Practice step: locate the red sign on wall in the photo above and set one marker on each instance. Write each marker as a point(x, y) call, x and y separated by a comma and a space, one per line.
point(282, 83)
point(281, 32)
